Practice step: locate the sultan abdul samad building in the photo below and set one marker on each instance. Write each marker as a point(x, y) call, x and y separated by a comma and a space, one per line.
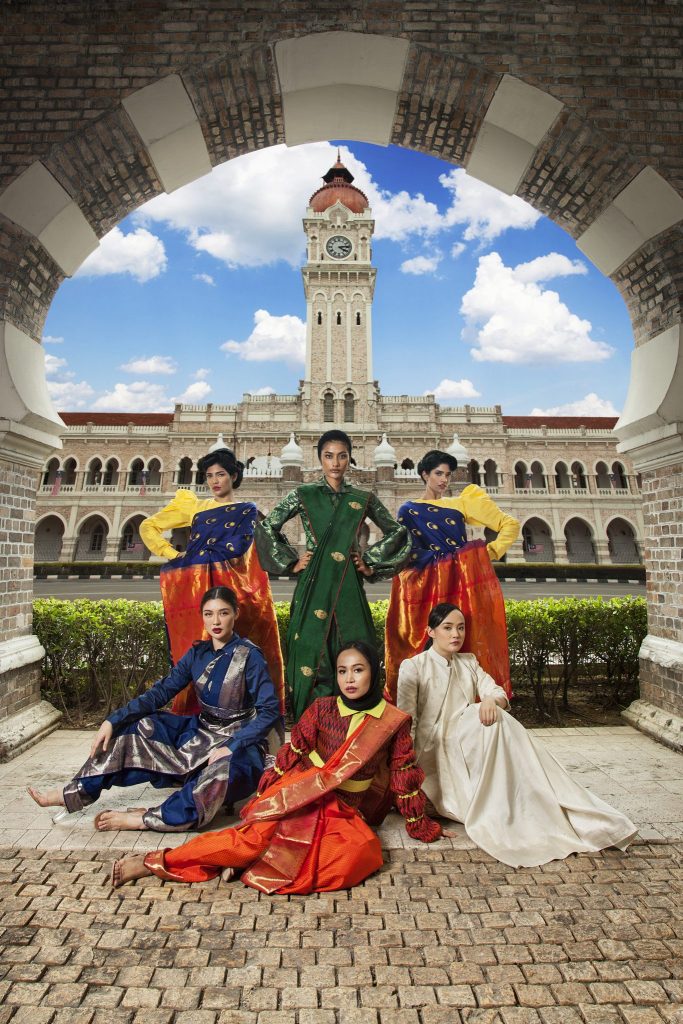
point(560, 476)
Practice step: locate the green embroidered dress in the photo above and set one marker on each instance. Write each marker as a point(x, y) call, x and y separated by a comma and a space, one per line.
point(329, 605)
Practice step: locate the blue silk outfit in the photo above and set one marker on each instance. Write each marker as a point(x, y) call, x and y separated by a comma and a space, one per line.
point(238, 711)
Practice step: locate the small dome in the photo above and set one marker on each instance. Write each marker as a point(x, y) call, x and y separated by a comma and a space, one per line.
point(292, 454)
point(458, 451)
point(384, 454)
point(338, 189)
point(219, 443)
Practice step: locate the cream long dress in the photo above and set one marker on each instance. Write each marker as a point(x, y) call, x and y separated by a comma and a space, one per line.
point(515, 800)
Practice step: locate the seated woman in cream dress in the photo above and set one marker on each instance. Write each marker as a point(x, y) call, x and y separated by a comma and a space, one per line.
point(484, 769)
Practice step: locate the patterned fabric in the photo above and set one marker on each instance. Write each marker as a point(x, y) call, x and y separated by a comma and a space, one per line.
point(444, 566)
point(220, 552)
point(329, 605)
point(239, 710)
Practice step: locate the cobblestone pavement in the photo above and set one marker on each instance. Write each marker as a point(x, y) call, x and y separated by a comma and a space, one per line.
point(442, 934)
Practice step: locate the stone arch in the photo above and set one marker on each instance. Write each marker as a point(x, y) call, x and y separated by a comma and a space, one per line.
point(69, 471)
point(49, 536)
point(92, 535)
point(110, 476)
point(602, 475)
point(618, 476)
point(520, 474)
point(134, 473)
point(537, 540)
point(491, 476)
point(579, 540)
point(93, 471)
point(131, 548)
point(473, 472)
point(183, 473)
point(563, 480)
point(539, 480)
point(579, 476)
point(555, 141)
point(50, 470)
point(622, 541)
point(154, 469)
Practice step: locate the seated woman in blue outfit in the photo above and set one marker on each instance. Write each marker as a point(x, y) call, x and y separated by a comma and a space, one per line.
point(216, 756)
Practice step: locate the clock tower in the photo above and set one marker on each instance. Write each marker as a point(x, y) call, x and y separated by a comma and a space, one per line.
point(339, 283)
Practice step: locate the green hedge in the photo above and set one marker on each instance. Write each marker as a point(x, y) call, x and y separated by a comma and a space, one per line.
point(99, 654)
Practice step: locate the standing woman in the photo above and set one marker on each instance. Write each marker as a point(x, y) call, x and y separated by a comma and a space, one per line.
point(445, 566)
point(329, 605)
point(219, 553)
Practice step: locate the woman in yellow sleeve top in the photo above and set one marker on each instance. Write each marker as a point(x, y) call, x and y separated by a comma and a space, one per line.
point(220, 553)
point(445, 566)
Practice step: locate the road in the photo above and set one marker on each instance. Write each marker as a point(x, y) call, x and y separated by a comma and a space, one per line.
point(148, 590)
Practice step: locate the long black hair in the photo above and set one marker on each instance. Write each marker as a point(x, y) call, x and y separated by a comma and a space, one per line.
point(435, 458)
point(225, 458)
point(334, 435)
point(436, 616)
point(220, 594)
point(374, 694)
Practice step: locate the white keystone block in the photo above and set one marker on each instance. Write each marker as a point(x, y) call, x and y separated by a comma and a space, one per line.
point(518, 117)
point(24, 397)
point(655, 395)
point(167, 123)
point(38, 203)
point(647, 205)
point(340, 85)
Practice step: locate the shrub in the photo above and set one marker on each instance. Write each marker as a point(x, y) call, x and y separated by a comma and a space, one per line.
point(99, 654)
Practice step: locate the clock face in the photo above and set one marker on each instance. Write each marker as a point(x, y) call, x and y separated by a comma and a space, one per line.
point(338, 247)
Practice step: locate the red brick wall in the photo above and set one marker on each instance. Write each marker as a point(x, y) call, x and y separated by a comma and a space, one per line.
point(17, 511)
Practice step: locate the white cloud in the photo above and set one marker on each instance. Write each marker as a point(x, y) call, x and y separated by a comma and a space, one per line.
point(138, 396)
point(139, 253)
point(53, 364)
point(420, 265)
point(273, 338)
point(247, 212)
point(590, 405)
point(453, 389)
point(545, 268)
point(49, 339)
point(458, 249)
point(202, 373)
point(205, 279)
point(266, 390)
point(510, 320)
point(69, 395)
point(194, 394)
point(151, 364)
point(486, 211)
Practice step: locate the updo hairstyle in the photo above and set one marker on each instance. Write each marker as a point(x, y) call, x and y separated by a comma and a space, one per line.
point(436, 458)
point(226, 594)
point(225, 458)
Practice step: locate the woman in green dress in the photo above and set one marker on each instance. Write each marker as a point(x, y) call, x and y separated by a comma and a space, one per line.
point(329, 605)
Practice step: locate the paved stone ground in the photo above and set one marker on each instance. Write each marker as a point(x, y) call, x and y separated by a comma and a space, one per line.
point(441, 935)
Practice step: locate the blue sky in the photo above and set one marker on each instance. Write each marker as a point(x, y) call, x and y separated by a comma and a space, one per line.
point(197, 296)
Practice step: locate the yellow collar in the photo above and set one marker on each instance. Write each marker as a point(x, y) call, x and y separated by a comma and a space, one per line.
point(375, 712)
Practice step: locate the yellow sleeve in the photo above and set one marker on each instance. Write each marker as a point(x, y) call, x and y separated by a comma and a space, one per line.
point(479, 510)
point(174, 516)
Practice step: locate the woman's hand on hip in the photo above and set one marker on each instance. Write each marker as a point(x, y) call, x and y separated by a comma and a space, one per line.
point(363, 568)
point(102, 737)
point(488, 711)
point(302, 563)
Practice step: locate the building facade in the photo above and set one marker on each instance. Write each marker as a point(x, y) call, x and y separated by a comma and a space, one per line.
point(577, 500)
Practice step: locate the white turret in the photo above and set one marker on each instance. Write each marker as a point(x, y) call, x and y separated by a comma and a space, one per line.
point(292, 454)
point(220, 443)
point(384, 454)
point(458, 451)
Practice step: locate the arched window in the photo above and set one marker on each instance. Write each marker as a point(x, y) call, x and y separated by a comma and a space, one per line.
point(579, 475)
point(320, 319)
point(349, 408)
point(473, 471)
point(338, 319)
point(184, 471)
point(111, 473)
point(407, 464)
point(135, 472)
point(357, 319)
point(97, 538)
point(619, 476)
point(328, 407)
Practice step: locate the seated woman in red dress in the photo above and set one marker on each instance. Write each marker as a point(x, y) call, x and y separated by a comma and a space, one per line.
point(307, 830)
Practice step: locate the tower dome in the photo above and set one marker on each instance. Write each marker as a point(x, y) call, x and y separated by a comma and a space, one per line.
point(292, 453)
point(458, 451)
point(338, 189)
point(384, 454)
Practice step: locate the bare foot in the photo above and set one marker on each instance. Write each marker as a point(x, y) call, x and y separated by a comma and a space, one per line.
point(120, 821)
point(128, 869)
point(50, 798)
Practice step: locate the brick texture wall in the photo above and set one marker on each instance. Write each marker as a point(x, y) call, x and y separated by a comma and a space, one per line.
point(17, 517)
point(663, 516)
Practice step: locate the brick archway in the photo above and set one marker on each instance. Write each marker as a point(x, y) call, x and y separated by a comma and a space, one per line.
point(104, 115)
